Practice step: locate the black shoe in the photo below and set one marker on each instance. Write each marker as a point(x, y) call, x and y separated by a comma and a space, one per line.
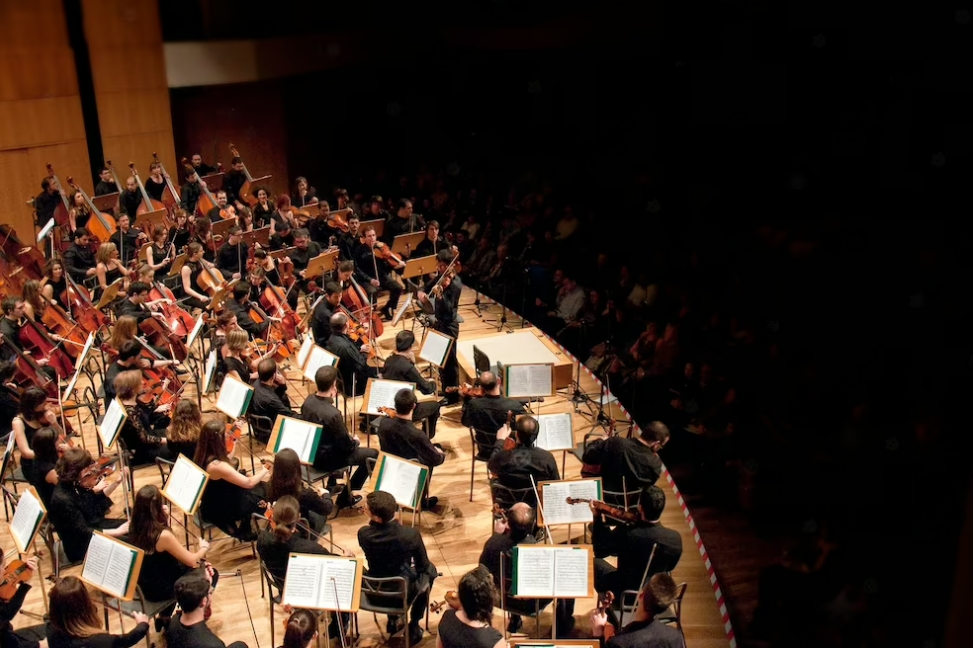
point(430, 503)
point(415, 634)
point(516, 623)
point(392, 625)
point(349, 501)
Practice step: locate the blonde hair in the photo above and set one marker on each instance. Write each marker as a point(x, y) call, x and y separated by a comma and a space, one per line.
point(237, 340)
point(105, 252)
point(125, 329)
point(127, 384)
point(187, 421)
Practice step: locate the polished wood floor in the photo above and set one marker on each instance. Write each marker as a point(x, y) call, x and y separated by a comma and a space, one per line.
point(453, 538)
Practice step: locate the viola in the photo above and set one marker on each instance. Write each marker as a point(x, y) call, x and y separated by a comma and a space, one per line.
point(179, 320)
point(451, 599)
point(383, 251)
point(275, 304)
point(336, 219)
point(234, 432)
point(511, 441)
point(604, 605)
point(160, 335)
point(15, 573)
point(387, 411)
point(82, 309)
point(631, 517)
point(466, 390)
point(357, 302)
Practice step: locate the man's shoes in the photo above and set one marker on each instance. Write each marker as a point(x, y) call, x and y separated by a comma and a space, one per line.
point(415, 634)
point(392, 625)
point(430, 503)
point(516, 623)
point(387, 314)
point(348, 501)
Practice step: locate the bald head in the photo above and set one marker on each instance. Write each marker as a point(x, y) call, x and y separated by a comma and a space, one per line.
point(339, 321)
point(520, 518)
point(489, 382)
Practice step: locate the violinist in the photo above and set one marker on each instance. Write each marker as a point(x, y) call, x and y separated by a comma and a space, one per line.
point(135, 304)
point(33, 416)
point(79, 260)
point(471, 626)
point(515, 526)
point(131, 198)
point(488, 413)
point(632, 543)
point(515, 468)
point(179, 234)
point(128, 359)
point(245, 219)
point(183, 433)
point(44, 479)
point(263, 209)
point(144, 429)
point(433, 242)
point(373, 273)
point(188, 629)
point(283, 238)
point(232, 257)
point(190, 271)
point(160, 254)
point(203, 234)
point(325, 307)
point(189, 193)
point(349, 241)
point(109, 269)
point(645, 631)
point(53, 285)
point(79, 213)
point(231, 361)
point(447, 295)
point(402, 366)
point(306, 249)
point(79, 506)
point(270, 392)
point(230, 497)
point(344, 273)
point(155, 184)
point(33, 301)
point(319, 228)
point(276, 544)
point(301, 630)
point(352, 364)
point(240, 306)
point(629, 463)
point(404, 222)
point(47, 201)
point(9, 638)
point(283, 215)
point(219, 211)
point(286, 481)
point(106, 183)
point(75, 621)
point(304, 194)
point(399, 436)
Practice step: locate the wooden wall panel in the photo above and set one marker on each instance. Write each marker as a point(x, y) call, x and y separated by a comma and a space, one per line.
point(128, 68)
point(40, 110)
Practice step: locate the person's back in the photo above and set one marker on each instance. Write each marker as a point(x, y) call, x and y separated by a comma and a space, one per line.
point(629, 464)
point(188, 629)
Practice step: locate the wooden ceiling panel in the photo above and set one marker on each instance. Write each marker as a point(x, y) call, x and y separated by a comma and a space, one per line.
point(117, 69)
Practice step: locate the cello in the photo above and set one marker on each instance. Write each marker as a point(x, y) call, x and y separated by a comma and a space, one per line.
point(173, 196)
point(82, 309)
point(148, 204)
point(101, 226)
point(30, 260)
point(247, 188)
point(61, 211)
point(206, 202)
point(55, 318)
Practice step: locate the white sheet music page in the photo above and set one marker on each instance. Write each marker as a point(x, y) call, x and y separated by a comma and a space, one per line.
point(302, 583)
point(534, 570)
point(434, 348)
point(79, 363)
point(234, 397)
point(555, 500)
point(571, 572)
point(317, 358)
point(305, 350)
point(184, 485)
point(112, 423)
point(529, 381)
point(338, 574)
point(197, 327)
point(26, 520)
point(400, 479)
point(382, 393)
point(210, 370)
point(119, 569)
point(298, 436)
point(556, 431)
point(96, 559)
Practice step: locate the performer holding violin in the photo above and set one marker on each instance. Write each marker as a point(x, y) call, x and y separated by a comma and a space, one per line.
point(374, 274)
point(488, 413)
point(515, 527)
point(34, 415)
point(127, 239)
point(402, 366)
point(644, 630)
point(447, 289)
point(13, 591)
point(469, 625)
point(524, 464)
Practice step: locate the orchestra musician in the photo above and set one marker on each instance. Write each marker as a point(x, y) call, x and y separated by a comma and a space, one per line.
point(106, 183)
point(373, 273)
point(263, 261)
point(354, 369)
point(306, 249)
point(433, 243)
point(79, 260)
point(75, 621)
point(189, 193)
point(129, 358)
point(263, 210)
point(10, 325)
point(283, 237)
point(318, 228)
point(136, 304)
point(79, 214)
point(155, 183)
point(525, 464)
point(190, 271)
point(160, 254)
point(53, 285)
point(301, 629)
point(180, 234)
point(202, 169)
point(337, 447)
point(447, 295)
point(78, 507)
point(325, 307)
point(232, 257)
point(46, 201)
point(399, 436)
point(219, 211)
point(109, 269)
point(130, 199)
point(304, 194)
point(287, 481)
point(45, 446)
point(283, 214)
point(9, 610)
point(183, 433)
point(188, 629)
point(349, 241)
point(233, 182)
point(515, 527)
point(404, 222)
point(240, 306)
point(402, 366)
point(203, 234)
point(629, 463)
point(645, 631)
point(270, 393)
point(33, 416)
point(143, 430)
point(470, 626)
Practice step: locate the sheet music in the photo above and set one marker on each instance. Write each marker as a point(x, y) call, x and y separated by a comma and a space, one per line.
point(434, 348)
point(79, 364)
point(318, 358)
point(185, 484)
point(401, 311)
point(234, 397)
point(26, 520)
point(338, 574)
point(210, 370)
point(555, 495)
point(46, 230)
point(299, 436)
point(311, 581)
point(534, 571)
point(528, 381)
point(302, 582)
point(112, 423)
point(556, 431)
point(305, 348)
point(108, 565)
point(382, 393)
point(570, 572)
point(400, 479)
point(197, 327)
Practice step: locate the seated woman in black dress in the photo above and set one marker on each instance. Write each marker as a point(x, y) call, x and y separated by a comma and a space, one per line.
point(79, 505)
point(166, 559)
point(301, 629)
point(229, 498)
point(286, 480)
point(76, 623)
point(33, 415)
point(44, 474)
point(469, 626)
point(139, 432)
point(183, 433)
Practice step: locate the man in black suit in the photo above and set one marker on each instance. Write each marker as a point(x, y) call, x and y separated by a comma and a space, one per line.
point(488, 413)
point(644, 631)
point(402, 366)
point(270, 394)
point(394, 550)
point(516, 529)
point(515, 468)
point(337, 448)
point(240, 306)
point(134, 305)
point(366, 264)
point(399, 436)
point(447, 317)
point(326, 306)
point(629, 463)
point(79, 260)
point(355, 371)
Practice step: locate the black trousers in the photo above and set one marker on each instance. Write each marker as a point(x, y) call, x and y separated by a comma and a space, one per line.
point(430, 411)
point(388, 283)
point(357, 460)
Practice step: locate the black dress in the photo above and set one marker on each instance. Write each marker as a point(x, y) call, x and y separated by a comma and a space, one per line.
point(160, 571)
point(27, 465)
point(229, 506)
point(455, 634)
point(158, 254)
point(44, 488)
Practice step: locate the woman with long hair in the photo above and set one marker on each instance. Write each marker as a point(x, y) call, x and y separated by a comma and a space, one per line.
point(183, 434)
point(78, 507)
point(44, 477)
point(276, 544)
point(301, 630)
point(230, 498)
point(109, 269)
point(191, 270)
point(203, 234)
point(78, 214)
point(33, 415)
point(166, 559)
point(125, 329)
point(286, 480)
point(470, 625)
point(139, 431)
point(231, 362)
point(263, 208)
point(75, 622)
point(54, 284)
point(159, 255)
point(33, 300)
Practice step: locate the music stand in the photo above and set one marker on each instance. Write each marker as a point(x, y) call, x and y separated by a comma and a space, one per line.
point(378, 224)
point(110, 293)
point(177, 264)
point(261, 236)
point(148, 220)
point(406, 243)
point(106, 202)
point(222, 227)
point(277, 254)
point(216, 303)
point(481, 362)
point(320, 264)
point(214, 181)
point(420, 266)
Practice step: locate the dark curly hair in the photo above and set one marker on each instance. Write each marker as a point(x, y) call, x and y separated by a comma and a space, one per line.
point(477, 594)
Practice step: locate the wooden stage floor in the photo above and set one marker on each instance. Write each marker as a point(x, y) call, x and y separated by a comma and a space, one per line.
point(453, 539)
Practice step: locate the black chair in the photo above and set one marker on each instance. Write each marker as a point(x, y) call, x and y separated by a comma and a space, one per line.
point(137, 604)
point(389, 596)
point(483, 443)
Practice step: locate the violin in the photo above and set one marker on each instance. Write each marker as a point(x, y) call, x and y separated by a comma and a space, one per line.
point(101, 468)
point(452, 600)
point(383, 251)
point(234, 431)
point(630, 517)
point(336, 219)
point(15, 573)
point(511, 441)
point(467, 391)
point(387, 411)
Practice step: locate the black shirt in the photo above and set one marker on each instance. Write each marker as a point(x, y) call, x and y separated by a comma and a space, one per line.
point(271, 401)
point(620, 458)
point(321, 322)
point(514, 468)
point(351, 363)
point(139, 311)
point(633, 546)
point(427, 247)
point(45, 204)
point(56, 639)
point(189, 195)
point(75, 513)
point(197, 635)
point(244, 321)
point(647, 634)
point(399, 367)
point(489, 413)
point(232, 258)
point(155, 189)
point(336, 444)
point(127, 244)
point(396, 226)
point(365, 264)
point(302, 257)
point(280, 242)
point(394, 550)
point(497, 545)
point(447, 307)
point(104, 188)
point(232, 183)
point(403, 439)
point(276, 554)
point(11, 334)
point(348, 244)
point(129, 203)
point(77, 261)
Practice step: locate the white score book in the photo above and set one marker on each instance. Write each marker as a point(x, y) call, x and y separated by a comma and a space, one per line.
point(300, 436)
point(27, 519)
point(529, 380)
point(435, 348)
point(317, 358)
point(111, 425)
point(554, 498)
point(234, 397)
point(111, 565)
point(185, 484)
point(381, 393)
point(555, 431)
point(402, 479)
point(312, 581)
point(546, 571)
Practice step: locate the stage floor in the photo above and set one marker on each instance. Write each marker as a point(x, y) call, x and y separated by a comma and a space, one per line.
point(453, 538)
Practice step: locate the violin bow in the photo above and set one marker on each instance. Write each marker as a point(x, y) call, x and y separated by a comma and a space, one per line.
point(540, 509)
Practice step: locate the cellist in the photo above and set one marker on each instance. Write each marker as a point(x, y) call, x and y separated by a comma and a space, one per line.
point(191, 270)
point(10, 325)
point(127, 239)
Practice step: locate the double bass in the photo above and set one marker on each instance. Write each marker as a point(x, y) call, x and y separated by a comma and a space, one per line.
point(61, 218)
point(246, 191)
point(170, 197)
point(206, 201)
point(148, 204)
point(101, 226)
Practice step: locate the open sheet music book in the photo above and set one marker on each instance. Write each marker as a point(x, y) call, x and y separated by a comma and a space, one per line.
point(300, 436)
point(197, 327)
point(403, 479)
point(111, 425)
point(313, 580)
point(306, 345)
point(555, 431)
point(381, 393)
point(435, 347)
point(112, 566)
point(317, 358)
point(210, 370)
point(27, 519)
point(554, 499)
point(558, 571)
point(79, 363)
point(528, 380)
point(234, 397)
point(185, 485)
